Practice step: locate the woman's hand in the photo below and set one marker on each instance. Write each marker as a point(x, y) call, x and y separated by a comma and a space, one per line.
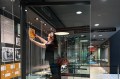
point(36, 36)
point(40, 38)
point(38, 43)
point(31, 39)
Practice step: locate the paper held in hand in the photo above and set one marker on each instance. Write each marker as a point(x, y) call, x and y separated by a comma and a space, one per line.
point(31, 33)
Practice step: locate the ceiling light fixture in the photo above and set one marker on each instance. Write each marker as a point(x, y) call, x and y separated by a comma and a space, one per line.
point(61, 33)
point(90, 46)
point(26, 10)
point(82, 35)
point(83, 41)
point(45, 24)
point(36, 18)
point(96, 25)
point(100, 35)
point(78, 12)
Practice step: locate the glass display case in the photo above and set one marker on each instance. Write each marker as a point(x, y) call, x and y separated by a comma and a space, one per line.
point(75, 48)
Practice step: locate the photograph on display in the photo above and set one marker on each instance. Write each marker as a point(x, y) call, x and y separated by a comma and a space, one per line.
point(18, 29)
point(17, 54)
point(17, 41)
point(7, 30)
point(7, 54)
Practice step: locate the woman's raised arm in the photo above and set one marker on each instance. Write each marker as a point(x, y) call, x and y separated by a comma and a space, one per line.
point(38, 43)
point(40, 38)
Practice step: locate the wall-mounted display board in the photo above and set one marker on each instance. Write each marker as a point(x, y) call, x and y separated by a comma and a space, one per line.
point(10, 45)
point(9, 71)
point(7, 30)
point(10, 40)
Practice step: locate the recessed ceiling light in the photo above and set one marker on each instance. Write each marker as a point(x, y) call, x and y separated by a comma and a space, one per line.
point(96, 25)
point(78, 12)
point(100, 35)
point(45, 24)
point(36, 18)
point(61, 33)
point(26, 10)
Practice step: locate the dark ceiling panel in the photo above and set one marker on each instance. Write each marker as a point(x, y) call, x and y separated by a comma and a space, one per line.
point(45, 3)
point(67, 14)
point(48, 15)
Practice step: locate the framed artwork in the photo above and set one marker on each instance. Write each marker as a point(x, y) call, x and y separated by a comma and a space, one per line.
point(18, 29)
point(7, 30)
point(7, 54)
point(17, 41)
point(17, 54)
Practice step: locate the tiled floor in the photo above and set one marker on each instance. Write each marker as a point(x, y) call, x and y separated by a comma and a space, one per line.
point(95, 73)
point(98, 73)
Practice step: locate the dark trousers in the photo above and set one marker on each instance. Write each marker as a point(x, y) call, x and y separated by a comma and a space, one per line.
point(55, 70)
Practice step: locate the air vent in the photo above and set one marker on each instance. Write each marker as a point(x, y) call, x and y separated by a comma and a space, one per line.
point(104, 30)
point(86, 29)
point(101, 39)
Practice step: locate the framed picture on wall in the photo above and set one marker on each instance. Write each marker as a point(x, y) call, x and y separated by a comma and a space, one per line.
point(17, 54)
point(7, 54)
point(7, 30)
point(17, 41)
point(18, 29)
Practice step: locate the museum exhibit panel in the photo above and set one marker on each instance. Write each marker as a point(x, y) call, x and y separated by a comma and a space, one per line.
point(10, 55)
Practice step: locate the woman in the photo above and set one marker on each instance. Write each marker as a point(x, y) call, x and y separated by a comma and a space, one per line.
point(51, 46)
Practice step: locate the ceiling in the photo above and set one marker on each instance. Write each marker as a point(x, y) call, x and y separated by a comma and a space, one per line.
point(106, 13)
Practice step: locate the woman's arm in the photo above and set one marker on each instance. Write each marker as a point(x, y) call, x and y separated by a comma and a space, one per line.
point(40, 38)
point(38, 43)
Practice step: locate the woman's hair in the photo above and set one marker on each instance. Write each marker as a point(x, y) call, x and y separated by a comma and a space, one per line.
point(53, 36)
